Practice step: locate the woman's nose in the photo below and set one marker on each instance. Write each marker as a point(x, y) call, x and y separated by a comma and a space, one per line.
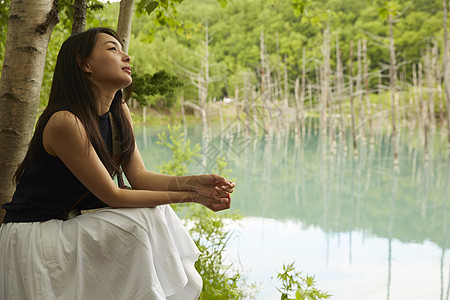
point(126, 58)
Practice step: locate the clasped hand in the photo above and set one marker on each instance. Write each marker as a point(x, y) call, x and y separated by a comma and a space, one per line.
point(213, 191)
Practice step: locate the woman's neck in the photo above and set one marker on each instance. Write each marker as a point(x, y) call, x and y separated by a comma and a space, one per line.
point(104, 101)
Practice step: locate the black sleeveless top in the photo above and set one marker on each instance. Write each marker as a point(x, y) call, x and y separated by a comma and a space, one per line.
point(47, 188)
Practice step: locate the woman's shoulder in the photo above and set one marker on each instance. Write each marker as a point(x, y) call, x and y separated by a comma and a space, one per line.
point(63, 127)
point(63, 119)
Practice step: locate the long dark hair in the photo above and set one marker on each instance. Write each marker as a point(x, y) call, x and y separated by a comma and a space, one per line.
point(71, 90)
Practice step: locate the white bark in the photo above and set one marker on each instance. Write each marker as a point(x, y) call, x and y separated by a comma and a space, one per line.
point(124, 22)
point(30, 25)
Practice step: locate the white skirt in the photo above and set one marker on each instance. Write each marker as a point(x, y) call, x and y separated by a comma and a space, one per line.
point(143, 253)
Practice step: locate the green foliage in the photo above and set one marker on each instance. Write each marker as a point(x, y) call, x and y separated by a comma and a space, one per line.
point(388, 8)
point(182, 153)
point(302, 288)
point(235, 38)
point(220, 281)
point(222, 167)
point(146, 86)
point(4, 13)
point(299, 6)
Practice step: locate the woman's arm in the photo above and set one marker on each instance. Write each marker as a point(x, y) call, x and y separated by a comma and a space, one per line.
point(65, 137)
point(141, 179)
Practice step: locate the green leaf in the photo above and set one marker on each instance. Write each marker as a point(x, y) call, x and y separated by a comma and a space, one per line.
point(384, 13)
point(151, 6)
point(165, 4)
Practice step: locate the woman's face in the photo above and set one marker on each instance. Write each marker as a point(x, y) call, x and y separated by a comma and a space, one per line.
point(107, 65)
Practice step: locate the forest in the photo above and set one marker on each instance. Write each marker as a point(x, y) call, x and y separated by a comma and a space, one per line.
point(235, 32)
point(375, 61)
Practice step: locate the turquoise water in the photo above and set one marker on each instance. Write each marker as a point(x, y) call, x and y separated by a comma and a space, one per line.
point(365, 229)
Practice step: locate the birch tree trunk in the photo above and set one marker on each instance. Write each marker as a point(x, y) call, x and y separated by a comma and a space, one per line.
point(30, 25)
point(79, 16)
point(124, 29)
point(124, 22)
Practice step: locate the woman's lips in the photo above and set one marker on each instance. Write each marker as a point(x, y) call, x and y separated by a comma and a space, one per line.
point(127, 69)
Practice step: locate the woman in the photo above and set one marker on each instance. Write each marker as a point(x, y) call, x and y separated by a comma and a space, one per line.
point(118, 253)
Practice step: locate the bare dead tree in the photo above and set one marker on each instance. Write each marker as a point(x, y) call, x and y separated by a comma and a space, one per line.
point(352, 109)
point(302, 91)
point(325, 81)
point(340, 86)
point(446, 69)
point(265, 86)
point(393, 86)
point(359, 92)
point(367, 92)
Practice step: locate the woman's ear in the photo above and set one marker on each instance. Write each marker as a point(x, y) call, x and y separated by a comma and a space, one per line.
point(83, 64)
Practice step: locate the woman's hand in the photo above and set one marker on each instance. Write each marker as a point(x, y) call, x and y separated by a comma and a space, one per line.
point(214, 204)
point(213, 187)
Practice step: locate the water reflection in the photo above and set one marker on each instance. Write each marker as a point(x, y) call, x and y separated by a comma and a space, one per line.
point(383, 217)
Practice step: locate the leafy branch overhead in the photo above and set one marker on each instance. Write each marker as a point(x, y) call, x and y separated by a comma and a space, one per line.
point(165, 11)
point(389, 8)
point(160, 83)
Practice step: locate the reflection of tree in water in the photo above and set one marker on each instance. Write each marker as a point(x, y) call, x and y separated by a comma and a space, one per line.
point(342, 193)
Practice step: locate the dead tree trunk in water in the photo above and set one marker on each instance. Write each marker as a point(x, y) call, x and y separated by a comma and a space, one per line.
point(423, 117)
point(324, 84)
point(265, 87)
point(302, 93)
point(429, 73)
point(183, 115)
point(355, 149)
point(393, 83)
point(446, 70)
point(286, 85)
point(297, 107)
point(367, 93)
point(340, 84)
point(359, 92)
point(238, 110)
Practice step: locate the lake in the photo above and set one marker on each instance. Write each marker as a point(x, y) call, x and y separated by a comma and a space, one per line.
point(364, 228)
